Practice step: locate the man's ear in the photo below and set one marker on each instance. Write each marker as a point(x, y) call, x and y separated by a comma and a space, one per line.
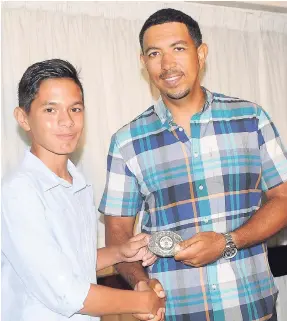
point(22, 118)
point(202, 52)
point(142, 58)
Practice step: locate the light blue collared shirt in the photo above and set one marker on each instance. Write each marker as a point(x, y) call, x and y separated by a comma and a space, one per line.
point(48, 244)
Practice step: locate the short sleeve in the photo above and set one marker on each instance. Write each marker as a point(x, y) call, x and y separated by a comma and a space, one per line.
point(31, 248)
point(121, 195)
point(272, 153)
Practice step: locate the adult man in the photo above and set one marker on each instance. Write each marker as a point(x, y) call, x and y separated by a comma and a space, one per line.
point(49, 249)
point(197, 163)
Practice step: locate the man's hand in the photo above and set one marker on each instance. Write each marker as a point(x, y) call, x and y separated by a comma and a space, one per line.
point(158, 311)
point(201, 249)
point(136, 250)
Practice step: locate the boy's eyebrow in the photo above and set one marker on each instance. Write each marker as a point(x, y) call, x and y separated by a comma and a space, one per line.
point(80, 102)
point(54, 103)
point(49, 103)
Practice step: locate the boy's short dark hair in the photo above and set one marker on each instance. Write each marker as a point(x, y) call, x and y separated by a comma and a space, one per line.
point(31, 80)
point(172, 15)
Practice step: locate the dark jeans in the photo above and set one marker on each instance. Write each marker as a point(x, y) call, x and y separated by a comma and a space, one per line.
point(274, 316)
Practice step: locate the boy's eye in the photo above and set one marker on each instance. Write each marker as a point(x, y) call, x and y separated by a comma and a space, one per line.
point(76, 110)
point(49, 110)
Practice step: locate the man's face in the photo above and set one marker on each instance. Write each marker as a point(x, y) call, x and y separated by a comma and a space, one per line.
point(56, 117)
point(172, 60)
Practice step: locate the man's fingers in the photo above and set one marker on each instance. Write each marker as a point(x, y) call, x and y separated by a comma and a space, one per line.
point(186, 243)
point(189, 252)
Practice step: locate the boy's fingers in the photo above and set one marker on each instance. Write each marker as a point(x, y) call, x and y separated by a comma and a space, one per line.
point(149, 261)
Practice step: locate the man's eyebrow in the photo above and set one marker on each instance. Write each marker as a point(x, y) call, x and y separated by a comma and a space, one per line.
point(179, 42)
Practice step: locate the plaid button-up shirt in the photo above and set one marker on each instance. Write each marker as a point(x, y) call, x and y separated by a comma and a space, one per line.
point(210, 181)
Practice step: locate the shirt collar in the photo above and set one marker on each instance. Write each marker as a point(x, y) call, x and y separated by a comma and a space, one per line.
point(48, 179)
point(165, 115)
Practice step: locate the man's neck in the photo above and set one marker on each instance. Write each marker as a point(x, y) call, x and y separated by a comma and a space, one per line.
point(56, 163)
point(186, 107)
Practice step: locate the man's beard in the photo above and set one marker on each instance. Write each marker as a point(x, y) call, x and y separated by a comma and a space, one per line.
point(178, 95)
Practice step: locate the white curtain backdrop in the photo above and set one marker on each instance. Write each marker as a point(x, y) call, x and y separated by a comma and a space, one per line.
point(247, 59)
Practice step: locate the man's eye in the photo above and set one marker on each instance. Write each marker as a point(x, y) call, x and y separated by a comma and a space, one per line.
point(153, 54)
point(179, 49)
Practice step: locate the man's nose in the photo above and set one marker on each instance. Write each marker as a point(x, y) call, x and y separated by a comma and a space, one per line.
point(168, 61)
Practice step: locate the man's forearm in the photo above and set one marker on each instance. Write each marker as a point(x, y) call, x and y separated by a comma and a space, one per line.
point(267, 221)
point(132, 272)
point(119, 231)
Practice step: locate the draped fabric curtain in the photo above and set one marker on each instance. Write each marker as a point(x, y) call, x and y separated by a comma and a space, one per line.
point(247, 59)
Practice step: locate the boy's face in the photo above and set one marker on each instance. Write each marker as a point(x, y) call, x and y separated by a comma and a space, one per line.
point(56, 119)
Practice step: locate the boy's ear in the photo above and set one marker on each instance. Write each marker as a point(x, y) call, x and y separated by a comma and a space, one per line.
point(22, 118)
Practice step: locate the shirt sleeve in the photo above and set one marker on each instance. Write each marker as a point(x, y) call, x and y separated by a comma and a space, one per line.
point(272, 152)
point(32, 250)
point(121, 195)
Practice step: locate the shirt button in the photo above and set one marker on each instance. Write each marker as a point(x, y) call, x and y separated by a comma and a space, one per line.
point(214, 287)
point(206, 220)
point(180, 129)
point(200, 187)
point(195, 154)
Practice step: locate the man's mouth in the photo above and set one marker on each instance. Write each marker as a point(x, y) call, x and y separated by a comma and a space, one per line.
point(172, 80)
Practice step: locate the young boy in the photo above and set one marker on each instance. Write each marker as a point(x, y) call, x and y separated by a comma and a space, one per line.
point(49, 250)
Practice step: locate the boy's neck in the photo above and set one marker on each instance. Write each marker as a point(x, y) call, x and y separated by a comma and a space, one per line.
point(55, 162)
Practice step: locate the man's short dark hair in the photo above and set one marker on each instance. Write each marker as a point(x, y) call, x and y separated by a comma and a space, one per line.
point(172, 15)
point(31, 80)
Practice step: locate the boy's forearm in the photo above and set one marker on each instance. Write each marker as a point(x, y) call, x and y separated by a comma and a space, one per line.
point(107, 256)
point(103, 300)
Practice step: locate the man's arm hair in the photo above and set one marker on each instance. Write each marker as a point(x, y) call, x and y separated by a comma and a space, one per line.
point(267, 221)
point(119, 230)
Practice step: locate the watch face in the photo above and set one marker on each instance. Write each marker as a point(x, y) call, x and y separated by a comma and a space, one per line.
point(163, 243)
point(230, 251)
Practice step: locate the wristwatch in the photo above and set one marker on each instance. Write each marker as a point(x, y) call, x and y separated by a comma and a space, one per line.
point(230, 248)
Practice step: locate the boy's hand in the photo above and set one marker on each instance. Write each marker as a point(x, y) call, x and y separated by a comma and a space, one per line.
point(157, 300)
point(136, 250)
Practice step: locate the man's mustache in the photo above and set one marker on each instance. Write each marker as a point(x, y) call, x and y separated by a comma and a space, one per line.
point(171, 72)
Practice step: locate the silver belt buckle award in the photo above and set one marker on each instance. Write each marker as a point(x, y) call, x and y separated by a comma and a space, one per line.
point(163, 243)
